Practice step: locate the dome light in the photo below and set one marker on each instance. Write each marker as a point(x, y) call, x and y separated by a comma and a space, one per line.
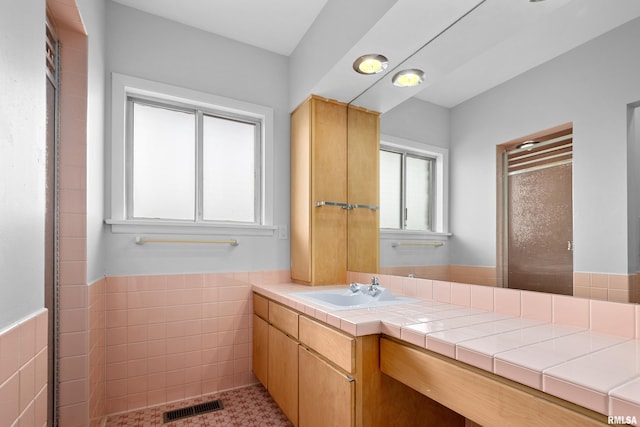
point(408, 78)
point(370, 64)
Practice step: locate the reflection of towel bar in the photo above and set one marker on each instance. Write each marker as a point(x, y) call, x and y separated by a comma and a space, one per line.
point(142, 241)
point(418, 243)
point(372, 207)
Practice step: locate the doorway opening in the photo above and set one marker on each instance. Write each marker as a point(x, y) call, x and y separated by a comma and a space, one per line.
point(535, 212)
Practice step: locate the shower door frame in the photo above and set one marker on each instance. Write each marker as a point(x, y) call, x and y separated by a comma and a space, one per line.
point(502, 233)
point(52, 232)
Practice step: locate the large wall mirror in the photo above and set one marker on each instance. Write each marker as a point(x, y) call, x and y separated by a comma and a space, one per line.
point(500, 72)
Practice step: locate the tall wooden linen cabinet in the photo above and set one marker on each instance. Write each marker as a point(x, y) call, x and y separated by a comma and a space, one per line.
point(334, 191)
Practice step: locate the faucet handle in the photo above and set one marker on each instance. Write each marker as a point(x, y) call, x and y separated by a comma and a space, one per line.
point(375, 281)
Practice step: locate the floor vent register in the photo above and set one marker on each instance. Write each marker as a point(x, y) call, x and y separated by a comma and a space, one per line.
point(190, 411)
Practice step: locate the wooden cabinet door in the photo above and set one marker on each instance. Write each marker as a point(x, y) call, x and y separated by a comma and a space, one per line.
point(318, 173)
point(363, 187)
point(283, 372)
point(334, 158)
point(328, 183)
point(260, 349)
point(327, 396)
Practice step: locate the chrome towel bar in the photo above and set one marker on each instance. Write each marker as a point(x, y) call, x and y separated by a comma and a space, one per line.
point(143, 240)
point(339, 204)
point(357, 206)
point(434, 243)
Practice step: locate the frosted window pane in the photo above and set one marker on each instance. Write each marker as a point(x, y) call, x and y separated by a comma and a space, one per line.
point(390, 189)
point(163, 163)
point(228, 170)
point(418, 188)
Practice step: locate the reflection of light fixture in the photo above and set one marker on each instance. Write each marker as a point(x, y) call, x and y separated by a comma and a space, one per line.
point(527, 145)
point(408, 78)
point(370, 64)
point(535, 1)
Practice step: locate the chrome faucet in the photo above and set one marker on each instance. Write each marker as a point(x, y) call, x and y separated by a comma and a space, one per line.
point(373, 289)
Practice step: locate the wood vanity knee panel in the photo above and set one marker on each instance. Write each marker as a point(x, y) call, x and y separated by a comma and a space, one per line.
point(384, 401)
point(483, 397)
point(330, 343)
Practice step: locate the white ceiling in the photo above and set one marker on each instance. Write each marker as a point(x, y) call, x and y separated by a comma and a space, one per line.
point(496, 41)
point(275, 25)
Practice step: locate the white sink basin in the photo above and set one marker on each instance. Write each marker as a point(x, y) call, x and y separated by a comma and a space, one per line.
point(345, 299)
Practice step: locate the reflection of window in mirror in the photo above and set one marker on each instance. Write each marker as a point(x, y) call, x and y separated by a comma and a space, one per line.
point(412, 186)
point(406, 190)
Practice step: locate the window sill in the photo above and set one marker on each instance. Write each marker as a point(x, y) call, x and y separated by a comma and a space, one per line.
point(169, 227)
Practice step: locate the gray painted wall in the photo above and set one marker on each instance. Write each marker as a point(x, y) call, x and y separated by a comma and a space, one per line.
point(93, 14)
point(422, 123)
point(149, 47)
point(590, 86)
point(418, 121)
point(22, 159)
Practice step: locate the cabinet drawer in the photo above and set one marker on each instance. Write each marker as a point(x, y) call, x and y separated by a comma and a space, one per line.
point(261, 306)
point(332, 344)
point(284, 319)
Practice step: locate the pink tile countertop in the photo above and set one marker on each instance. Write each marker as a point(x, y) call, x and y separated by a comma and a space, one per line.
point(584, 351)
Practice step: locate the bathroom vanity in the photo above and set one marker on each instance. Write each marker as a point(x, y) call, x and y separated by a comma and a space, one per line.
point(390, 365)
point(323, 376)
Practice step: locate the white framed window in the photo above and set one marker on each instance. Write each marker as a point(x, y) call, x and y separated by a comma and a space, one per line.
point(189, 162)
point(413, 187)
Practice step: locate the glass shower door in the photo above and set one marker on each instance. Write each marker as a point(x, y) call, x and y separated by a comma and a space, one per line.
point(540, 218)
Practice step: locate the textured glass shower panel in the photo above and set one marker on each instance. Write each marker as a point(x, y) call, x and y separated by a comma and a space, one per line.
point(540, 230)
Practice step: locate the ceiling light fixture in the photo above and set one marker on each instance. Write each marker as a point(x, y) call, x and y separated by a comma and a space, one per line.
point(370, 64)
point(527, 145)
point(408, 78)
